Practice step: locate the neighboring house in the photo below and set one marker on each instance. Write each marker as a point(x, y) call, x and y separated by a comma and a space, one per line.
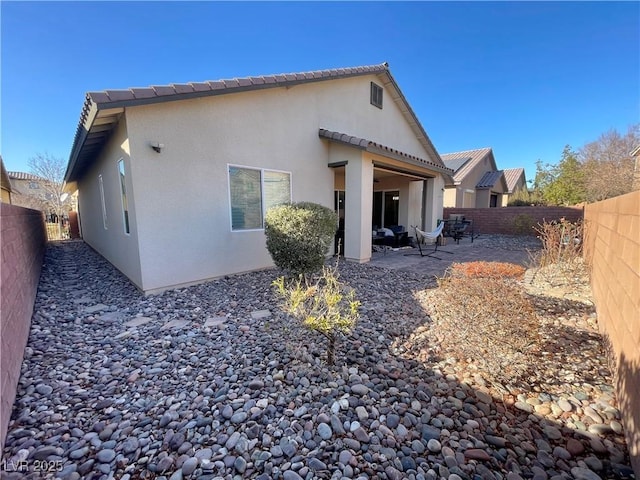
point(516, 181)
point(29, 190)
point(174, 180)
point(6, 183)
point(477, 182)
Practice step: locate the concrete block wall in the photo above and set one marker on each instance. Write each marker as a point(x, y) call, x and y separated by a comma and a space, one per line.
point(513, 220)
point(23, 240)
point(612, 249)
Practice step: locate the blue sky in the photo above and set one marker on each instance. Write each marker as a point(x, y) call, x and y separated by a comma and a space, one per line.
point(523, 78)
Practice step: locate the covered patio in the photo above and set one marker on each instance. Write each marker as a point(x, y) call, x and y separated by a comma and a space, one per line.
point(379, 187)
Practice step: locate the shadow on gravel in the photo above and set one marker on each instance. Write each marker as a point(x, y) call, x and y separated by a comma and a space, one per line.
point(571, 354)
point(628, 384)
point(564, 423)
point(250, 396)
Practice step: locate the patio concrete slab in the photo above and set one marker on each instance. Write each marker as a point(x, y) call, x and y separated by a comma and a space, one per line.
point(516, 250)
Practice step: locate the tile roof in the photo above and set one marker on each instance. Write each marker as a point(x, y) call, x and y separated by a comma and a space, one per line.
point(471, 157)
point(24, 176)
point(512, 175)
point(107, 106)
point(374, 147)
point(175, 91)
point(489, 179)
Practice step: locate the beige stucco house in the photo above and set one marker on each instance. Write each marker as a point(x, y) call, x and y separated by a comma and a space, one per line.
point(29, 190)
point(477, 182)
point(516, 182)
point(173, 181)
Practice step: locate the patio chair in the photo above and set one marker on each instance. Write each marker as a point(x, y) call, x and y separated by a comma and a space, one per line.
point(422, 237)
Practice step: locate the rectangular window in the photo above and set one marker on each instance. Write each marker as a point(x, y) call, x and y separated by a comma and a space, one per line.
point(252, 192)
point(376, 95)
point(123, 188)
point(104, 206)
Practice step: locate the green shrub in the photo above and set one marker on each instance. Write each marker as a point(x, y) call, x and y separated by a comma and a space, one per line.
point(523, 224)
point(326, 306)
point(518, 203)
point(299, 236)
point(520, 198)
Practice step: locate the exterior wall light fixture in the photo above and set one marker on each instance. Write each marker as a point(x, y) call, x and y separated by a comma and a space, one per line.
point(157, 146)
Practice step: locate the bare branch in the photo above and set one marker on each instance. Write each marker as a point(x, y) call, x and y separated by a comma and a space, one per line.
point(51, 170)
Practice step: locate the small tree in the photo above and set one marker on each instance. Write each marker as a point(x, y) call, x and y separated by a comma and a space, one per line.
point(567, 186)
point(298, 239)
point(325, 306)
point(299, 236)
point(51, 169)
point(609, 167)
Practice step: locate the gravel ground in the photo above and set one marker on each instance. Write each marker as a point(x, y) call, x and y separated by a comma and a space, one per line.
point(213, 382)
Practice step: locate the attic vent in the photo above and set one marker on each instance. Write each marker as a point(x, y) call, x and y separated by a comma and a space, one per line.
point(376, 95)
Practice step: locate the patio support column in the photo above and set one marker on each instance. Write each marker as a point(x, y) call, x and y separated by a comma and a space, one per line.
point(432, 201)
point(358, 209)
point(415, 209)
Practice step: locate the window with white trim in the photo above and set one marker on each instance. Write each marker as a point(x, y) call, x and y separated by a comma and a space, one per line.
point(123, 189)
point(252, 191)
point(102, 203)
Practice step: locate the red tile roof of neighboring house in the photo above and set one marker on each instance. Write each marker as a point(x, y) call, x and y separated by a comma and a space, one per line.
point(374, 147)
point(24, 176)
point(465, 161)
point(512, 175)
point(108, 105)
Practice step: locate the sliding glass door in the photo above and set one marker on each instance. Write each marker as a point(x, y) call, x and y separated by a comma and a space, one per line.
point(385, 209)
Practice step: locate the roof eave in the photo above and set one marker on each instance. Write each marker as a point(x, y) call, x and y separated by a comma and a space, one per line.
point(78, 142)
point(241, 85)
point(94, 101)
point(378, 149)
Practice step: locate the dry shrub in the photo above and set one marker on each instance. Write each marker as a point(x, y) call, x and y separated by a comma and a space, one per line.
point(486, 270)
point(488, 321)
point(561, 241)
point(561, 251)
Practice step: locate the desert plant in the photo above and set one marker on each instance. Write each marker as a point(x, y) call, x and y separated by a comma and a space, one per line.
point(560, 260)
point(521, 198)
point(486, 320)
point(326, 305)
point(299, 236)
point(561, 242)
point(482, 269)
point(523, 224)
point(516, 202)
